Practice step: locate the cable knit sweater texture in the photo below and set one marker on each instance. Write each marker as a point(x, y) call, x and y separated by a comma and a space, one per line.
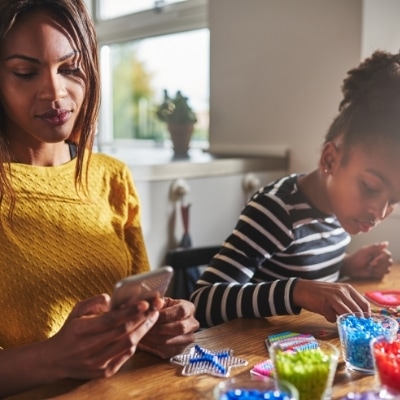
point(62, 247)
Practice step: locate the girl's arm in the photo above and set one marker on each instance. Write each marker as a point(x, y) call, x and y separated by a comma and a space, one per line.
point(226, 290)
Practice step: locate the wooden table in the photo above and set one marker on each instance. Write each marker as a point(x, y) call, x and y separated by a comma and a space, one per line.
point(148, 377)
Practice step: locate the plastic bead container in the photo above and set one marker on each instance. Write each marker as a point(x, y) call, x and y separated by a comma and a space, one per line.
point(311, 370)
point(386, 355)
point(254, 388)
point(356, 330)
point(369, 395)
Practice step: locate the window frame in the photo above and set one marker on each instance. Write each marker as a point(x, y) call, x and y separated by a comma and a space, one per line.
point(169, 19)
point(172, 18)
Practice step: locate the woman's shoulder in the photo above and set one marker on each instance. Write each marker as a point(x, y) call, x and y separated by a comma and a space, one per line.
point(104, 166)
point(104, 158)
point(105, 161)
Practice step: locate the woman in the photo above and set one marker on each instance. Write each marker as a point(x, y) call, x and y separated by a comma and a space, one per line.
point(70, 224)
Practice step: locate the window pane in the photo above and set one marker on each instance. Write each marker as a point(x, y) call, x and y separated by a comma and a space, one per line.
point(140, 71)
point(116, 8)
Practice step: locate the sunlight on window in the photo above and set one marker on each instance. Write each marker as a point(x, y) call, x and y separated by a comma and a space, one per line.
point(140, 71)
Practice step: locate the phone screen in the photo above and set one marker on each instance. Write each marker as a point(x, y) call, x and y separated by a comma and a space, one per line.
point(144, 286)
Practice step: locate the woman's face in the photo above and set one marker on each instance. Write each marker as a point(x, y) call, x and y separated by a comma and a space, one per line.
point(41, 85)
point(366, 189)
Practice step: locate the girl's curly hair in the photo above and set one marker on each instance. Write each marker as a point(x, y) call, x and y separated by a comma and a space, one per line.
point(370, 108)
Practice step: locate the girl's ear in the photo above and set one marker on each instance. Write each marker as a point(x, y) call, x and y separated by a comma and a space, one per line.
point(329, 157)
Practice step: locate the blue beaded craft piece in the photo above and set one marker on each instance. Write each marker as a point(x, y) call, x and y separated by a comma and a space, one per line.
point(203, 361)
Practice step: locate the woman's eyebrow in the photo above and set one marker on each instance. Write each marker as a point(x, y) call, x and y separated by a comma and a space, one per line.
point(36, 60)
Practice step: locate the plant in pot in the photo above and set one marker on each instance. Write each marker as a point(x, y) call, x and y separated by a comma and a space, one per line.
point(180, 120)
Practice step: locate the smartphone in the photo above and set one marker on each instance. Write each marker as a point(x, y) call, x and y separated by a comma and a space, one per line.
point(145, 286)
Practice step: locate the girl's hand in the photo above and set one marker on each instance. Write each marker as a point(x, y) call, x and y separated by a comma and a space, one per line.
point(373, 261)
point(173, 331)
point(329, 299)
point(95, 341)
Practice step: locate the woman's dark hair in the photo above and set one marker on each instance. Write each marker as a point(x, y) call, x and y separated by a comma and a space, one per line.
point(370, 109)
point(75, 18)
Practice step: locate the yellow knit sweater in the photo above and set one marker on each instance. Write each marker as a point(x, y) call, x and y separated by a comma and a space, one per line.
point(62, 247)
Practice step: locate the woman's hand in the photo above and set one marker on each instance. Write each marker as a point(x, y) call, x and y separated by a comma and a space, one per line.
point(96, 341)
point(328, 299)
point(372, 261)
point(173, 331)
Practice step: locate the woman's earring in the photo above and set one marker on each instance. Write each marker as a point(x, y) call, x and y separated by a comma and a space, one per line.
point(326, 170)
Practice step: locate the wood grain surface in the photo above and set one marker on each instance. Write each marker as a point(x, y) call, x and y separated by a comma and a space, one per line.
point(147, 377)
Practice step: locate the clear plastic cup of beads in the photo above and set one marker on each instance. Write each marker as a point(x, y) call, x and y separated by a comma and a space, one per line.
point(356, 331)
point(311, 370)
point(368, 395)
point(250, 387)
point(386, 356)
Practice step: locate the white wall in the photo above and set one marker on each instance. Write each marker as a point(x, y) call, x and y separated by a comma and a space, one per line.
point(276, 68)
point(381, 26)
point(275, 72)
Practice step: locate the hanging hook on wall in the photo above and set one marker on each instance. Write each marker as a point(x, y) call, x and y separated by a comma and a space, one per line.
point(250, 183)
point(158, 5)
point(179, 189)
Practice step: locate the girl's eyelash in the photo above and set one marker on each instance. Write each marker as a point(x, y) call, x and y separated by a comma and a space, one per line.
point(25, 76)
point(368, 189)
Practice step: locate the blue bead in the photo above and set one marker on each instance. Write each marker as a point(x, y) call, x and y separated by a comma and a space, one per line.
point(253, 394)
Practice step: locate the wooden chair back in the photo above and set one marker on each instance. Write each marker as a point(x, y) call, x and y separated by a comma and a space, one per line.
point(187, 263)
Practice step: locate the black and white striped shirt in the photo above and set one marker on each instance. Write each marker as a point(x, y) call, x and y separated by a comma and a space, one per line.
point(279, 237)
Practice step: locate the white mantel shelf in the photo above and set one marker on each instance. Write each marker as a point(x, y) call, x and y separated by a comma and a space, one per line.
point(159, 164)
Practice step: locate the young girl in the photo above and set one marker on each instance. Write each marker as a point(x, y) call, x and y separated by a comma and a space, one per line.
point(69, 220)
point(288, 248)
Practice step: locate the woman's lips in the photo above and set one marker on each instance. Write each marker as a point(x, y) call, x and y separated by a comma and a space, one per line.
point(55, 117)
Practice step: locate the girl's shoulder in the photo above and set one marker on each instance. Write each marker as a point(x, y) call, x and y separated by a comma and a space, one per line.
point(282, 194)
point(282, 187)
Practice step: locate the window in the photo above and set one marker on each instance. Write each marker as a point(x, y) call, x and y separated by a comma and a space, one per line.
point(111, 8)
point(147, 46)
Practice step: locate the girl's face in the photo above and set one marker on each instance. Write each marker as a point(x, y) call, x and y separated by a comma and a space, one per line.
point(41, 85)
point(366, 189)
